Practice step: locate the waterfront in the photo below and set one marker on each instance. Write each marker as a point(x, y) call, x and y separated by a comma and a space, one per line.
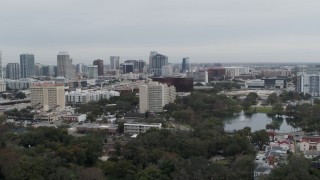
point(256, 121)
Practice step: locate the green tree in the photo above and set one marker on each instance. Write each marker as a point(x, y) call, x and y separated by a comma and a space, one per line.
point(277, 109)
point(20, 95)
point(272, 98)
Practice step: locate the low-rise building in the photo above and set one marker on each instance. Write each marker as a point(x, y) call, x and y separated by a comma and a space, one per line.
point(74, 118)
point(136, 128)
point(84, 96)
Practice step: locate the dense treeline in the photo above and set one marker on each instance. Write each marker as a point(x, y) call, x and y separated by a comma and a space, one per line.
point(298, 167)
point(48, 153)
point(166, 154)
point(201, 105)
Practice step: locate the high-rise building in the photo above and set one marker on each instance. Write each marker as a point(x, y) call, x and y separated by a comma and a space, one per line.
point(26, 65)
point(127, 68)
point(114, 62)
point(158, 61)
point(153, 96)
point(141, 66)
point(50, 96)
point(92, 72)
point(100, 65)
point(152, 53)
point(13, 71)
point(49, 70)
point(38, 69)
point(64, 65)
point(308, 83)
point(166, 71)
point(185, 65)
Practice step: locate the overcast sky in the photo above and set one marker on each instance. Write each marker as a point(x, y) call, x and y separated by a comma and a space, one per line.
point(204, 30)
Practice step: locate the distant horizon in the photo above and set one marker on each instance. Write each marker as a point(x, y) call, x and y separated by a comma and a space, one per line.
point(177, 60)
point(207, 31)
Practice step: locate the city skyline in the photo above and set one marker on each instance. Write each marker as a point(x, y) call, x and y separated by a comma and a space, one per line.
point(206, 31)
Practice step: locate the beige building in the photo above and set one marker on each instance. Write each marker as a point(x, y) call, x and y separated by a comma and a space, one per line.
point(153, 96)
point(136, 128)
point(50, 96)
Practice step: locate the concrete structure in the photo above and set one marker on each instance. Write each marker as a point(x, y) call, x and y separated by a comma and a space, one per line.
point(153, 96)
point(216, 73)
point(84, 96)
point(166, 71)
point(2, 85)
point(232, 72)
point(200, 76)
point(74, 118)
point(38, 69)
point(127, 68)
point(26, 65)
point(99, 63)
point(254, 84)
point(92, 72)
point(308, 83)
point(152, 53)
point(50, 96)
point(141, 66)
point(13, 71)
point(114, 62)
point(185, 67)
point(81, 69)
point(136, 128)
point(64, 66)
point(49, 70)
point(158, 61)
point(19, 83)
point(276, 73)
point(181, 84)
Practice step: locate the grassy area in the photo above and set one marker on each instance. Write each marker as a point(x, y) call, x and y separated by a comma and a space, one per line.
point(266, 110)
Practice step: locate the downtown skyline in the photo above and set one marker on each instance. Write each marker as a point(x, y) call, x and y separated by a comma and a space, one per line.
point(206, 31)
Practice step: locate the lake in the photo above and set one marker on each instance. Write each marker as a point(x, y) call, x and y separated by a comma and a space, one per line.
point(256, 121)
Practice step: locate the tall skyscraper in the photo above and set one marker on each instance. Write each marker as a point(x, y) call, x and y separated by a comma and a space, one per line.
point(26, 65)
point(114, 62)
point(185, 65)
point(64, 65)
point(158, 61)
point(152, 53)
point(99, 63)
point(141, 65)
point(13, 71)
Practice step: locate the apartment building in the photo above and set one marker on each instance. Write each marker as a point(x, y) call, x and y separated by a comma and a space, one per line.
point(153, 96)
point(50, 96)
point(308, 83)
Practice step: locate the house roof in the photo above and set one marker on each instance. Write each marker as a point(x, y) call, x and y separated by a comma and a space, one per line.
point(310, 139)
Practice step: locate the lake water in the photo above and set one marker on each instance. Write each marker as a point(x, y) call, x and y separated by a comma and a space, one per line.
point(256, 121)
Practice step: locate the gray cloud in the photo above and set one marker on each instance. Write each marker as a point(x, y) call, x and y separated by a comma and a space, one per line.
point(205, 30)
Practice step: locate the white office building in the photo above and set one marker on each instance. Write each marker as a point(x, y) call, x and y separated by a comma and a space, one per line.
point(136, 128)
point(308, 83)
point(153, 96)
point(84, 96)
